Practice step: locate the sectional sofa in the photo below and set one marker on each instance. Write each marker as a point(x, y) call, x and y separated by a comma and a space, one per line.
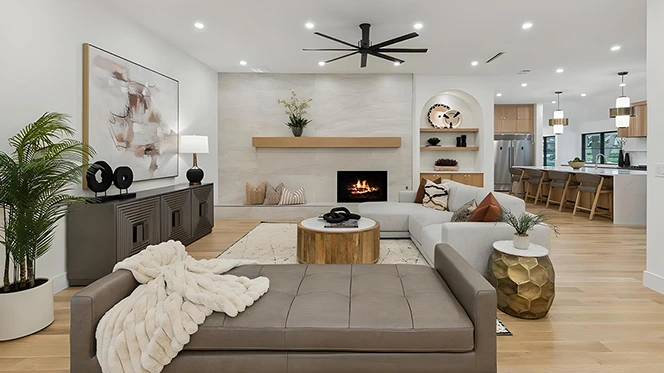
point(427, 227)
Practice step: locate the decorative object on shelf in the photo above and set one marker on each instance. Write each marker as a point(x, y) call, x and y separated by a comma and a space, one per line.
point(463, 141)
point(622, 141)
point(558, 122)
point(576, 163)
point(523, 224)
point(444, 164)
point(452, 119)
point(435, 115)
point(194, 144)
point(627, 162)
point(366, 48)
point(433, 141)
point(130, 114)
point(459, 144)
point(295, 109)
point(123, 177)
point(35, 180)
point(340, 214)
point(623, 110)
point(105, 180)
point(255, 195)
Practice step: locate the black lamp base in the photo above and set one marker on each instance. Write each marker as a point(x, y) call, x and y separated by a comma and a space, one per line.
point(195, 175)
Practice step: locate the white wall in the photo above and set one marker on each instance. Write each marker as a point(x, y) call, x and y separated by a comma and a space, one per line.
point(41, 44)
point(653, 277)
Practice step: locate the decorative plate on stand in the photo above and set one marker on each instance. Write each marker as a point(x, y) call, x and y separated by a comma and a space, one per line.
point(452, 119)
point(435, 115)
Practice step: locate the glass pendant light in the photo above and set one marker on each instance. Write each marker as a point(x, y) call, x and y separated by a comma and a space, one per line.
point(559, 121)
point(623, 110)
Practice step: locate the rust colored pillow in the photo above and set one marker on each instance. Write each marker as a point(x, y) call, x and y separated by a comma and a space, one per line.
point(488, 211)
point(420, 191)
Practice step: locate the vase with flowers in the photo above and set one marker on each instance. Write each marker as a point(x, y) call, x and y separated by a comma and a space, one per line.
point(296, 109)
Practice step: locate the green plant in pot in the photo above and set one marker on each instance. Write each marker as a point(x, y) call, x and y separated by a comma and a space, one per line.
point(36, 178)
point(445, 164)
point(433, 141)
point(576, 163)
point(295, 109)
point(523, 224)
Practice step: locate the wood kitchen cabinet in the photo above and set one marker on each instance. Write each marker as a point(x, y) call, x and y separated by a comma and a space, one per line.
point(473, 179)
point(638, 126)
point(513, 119)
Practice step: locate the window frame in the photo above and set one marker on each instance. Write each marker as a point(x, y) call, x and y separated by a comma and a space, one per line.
point(602, 148)
point(544, 150)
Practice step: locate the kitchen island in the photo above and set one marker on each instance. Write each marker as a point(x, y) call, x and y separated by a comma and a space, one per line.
point(629, 192)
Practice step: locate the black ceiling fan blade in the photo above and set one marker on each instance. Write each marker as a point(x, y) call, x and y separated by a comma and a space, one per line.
point(328, 50)
point(395, 40)
point(335, 39)
point(340, 57)
point(386, 57)
point(363, 61)
point(403, 50)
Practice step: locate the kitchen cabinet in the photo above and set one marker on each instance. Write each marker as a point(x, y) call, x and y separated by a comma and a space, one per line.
point(638, 126)
point(513, 119)
point(473, 179)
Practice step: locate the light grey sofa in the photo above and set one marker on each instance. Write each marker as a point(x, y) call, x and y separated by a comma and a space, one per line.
point(427, 227)
point(328, 319)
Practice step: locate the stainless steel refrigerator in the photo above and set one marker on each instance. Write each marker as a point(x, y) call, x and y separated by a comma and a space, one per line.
point(510, 151)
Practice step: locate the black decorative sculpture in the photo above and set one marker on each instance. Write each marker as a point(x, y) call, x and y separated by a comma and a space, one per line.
point(122, 178)
point(339, 214)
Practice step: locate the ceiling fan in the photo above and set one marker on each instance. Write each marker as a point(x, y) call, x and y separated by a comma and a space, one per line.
point(365, 48)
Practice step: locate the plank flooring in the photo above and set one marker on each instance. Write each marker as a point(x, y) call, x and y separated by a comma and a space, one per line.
point(602, 320)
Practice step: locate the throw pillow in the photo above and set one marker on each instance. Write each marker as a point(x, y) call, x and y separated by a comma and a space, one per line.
point(273, 195)
point(420, 190)
point(463, 213)
point(255, 195)
point(435, 196)
point(292, 198)
point(487, 211)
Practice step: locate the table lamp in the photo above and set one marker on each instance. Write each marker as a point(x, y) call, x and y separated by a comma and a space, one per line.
point(194, 144)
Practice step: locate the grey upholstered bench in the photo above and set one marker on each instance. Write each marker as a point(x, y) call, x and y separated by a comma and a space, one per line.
point(329, 318)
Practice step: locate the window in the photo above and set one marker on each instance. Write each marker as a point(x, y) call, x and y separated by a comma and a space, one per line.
point(549, 150)
point(600, 143)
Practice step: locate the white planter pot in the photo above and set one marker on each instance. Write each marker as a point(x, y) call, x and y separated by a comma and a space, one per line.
point(26, 312)
point(521, 242)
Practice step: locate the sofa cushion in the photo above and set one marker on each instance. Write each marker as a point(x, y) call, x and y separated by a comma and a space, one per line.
point(463, 213)
point(460, 194)
point(435, 196)
point(423, 217)
point(419, 196)
point(516, 205)
point(354, 308)
point(488, 211)
point(392, 216)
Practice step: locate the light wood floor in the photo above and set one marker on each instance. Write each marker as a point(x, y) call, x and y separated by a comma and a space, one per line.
point(602, 320)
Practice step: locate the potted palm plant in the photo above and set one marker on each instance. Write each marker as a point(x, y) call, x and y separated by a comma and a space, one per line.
point(295, 109)
point(35, 180)
point(523, 224)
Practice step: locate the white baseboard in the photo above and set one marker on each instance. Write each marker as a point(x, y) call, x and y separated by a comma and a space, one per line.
point(653, 281)
point(60, 282)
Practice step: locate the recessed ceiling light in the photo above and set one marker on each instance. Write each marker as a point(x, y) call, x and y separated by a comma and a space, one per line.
point(499, 94)
point(243, 63)
point(583, 95)
point(560, 70)
point(309, 25)
point(417, 26)
point(524, 84)
point(553, 102)
point(474, 63)
point(199, 25)
point(397, 63)
point(527, 25)
point(615, 48)
point(321, 63)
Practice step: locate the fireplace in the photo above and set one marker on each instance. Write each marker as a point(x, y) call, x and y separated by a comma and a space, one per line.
point(361, 186)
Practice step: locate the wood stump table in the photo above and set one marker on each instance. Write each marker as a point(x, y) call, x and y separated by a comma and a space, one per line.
point(319, 245)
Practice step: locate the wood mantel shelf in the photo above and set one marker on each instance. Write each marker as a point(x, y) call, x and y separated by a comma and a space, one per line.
point(326, 142)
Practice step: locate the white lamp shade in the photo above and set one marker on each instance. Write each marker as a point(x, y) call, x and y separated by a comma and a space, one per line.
point(558, 129)
point(558, 114)
point(194, 144)
point(622, 121)
point(622, 101)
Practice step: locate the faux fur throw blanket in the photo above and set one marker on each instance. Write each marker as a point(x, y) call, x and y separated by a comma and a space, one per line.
point(146, 330)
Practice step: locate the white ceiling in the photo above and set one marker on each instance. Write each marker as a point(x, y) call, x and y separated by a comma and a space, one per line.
point(573, 34)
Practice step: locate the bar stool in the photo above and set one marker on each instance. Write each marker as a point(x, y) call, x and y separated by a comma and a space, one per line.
point(593, 184)
point(560, 180)
point(537, 178)
point(518, 176)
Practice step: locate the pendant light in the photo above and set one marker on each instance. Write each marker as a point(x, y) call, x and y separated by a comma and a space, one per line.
point(623, 111)
point(559, 121)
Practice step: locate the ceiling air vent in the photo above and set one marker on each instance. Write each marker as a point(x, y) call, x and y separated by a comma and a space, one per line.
point(523, 72)
point(494, 57)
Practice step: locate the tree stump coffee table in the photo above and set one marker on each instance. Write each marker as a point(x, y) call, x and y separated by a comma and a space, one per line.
point(319, 245)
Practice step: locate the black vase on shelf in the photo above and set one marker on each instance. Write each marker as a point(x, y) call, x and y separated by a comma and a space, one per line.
point(627, 162)
point(463, 141)
point(458, 144)
point(621, 161)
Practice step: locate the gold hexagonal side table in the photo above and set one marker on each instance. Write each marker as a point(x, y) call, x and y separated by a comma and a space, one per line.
point(524, 279)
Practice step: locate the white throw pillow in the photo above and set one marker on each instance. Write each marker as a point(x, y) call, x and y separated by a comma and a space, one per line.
point(435, 196)
point(292, 198)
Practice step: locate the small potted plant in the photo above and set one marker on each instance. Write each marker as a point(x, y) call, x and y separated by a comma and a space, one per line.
point(295, 109)
point(433, 141)
point(577, 163)
point(523, 224)
point(444, 164)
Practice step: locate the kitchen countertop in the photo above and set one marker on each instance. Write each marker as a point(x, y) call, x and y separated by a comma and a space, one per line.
point(590, 170)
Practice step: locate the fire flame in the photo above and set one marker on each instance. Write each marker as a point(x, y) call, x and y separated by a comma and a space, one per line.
point(361, 187)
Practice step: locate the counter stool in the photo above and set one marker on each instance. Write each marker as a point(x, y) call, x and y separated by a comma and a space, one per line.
point(538, 179)
point(560, 180)
point(593, 184)
point(518, 176)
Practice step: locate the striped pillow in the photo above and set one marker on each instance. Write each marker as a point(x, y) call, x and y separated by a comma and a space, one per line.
point(435, 196)
point(273, 195)
point(292, 198)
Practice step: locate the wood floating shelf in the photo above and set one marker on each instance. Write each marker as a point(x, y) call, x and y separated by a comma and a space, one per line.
point(450, 148)
point(450, 130)
point(326, 142)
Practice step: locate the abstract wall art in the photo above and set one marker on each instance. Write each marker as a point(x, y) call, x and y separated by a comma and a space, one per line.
point(130, 114)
